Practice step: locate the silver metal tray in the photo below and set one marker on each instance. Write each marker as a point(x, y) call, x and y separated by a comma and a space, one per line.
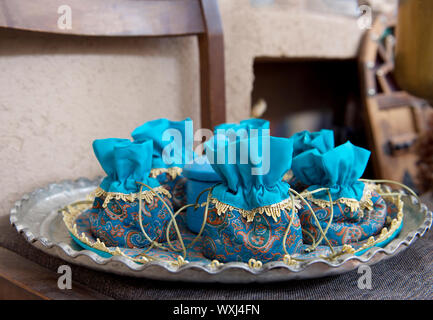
point(37, 218)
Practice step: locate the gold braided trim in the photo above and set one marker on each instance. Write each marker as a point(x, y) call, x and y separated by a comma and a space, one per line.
point(179, 262)
point(289, 260)
point(71, 212)
point(385, 233)
point(273, 210)
point(255, 264)
point(353, 204)
point(215, 264)
point(173, 172)
point(146, 195)
point(395, 224)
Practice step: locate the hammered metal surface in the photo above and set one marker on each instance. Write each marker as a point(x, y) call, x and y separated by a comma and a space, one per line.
point(36, 216)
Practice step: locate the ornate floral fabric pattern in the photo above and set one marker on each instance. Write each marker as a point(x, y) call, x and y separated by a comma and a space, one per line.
point(117, 225)
point(84, 236)
point(348, 226)
point(358, 210)
point(229, 236)
point(250, 213)
point(115, 215)
point(176, 186)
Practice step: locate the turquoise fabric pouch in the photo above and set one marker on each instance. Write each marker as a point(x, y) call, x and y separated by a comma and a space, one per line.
point(321, 141)
point(250, 211)
point(200, 176)
point(172, 149)
point(358, 211)
point(115, 217)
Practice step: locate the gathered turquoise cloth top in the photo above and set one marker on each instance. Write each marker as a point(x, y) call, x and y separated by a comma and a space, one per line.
point(246, 124)
point(251, 180)
point(248, 128)
point(124, 162)
point(338, 169)
point(322, 140)
point(172, 141)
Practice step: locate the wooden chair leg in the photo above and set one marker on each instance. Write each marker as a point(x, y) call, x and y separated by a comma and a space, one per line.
point(212, 75)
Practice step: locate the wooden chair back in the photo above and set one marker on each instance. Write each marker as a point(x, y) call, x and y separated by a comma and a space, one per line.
point(141, 18)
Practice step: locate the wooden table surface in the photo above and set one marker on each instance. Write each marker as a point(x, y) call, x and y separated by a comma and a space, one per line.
point(23, 279)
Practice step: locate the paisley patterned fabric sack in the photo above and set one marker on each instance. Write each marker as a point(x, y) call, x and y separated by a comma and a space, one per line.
point(358, 210)
point(172, 149)
point(114, 216)
point(250, 213)
point(321, 141)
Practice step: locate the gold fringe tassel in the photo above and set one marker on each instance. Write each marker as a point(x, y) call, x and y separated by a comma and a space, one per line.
point(273, 210)
point(131, 197)
point(173, 172)
point(353, 204)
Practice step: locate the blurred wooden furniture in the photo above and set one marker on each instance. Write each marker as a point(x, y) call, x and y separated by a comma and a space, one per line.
point(141, 18)
point(21, 279)
point(394, 118)
point(414, 47)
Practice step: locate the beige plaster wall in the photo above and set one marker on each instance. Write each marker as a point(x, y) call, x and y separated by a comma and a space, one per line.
point(57, 94)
